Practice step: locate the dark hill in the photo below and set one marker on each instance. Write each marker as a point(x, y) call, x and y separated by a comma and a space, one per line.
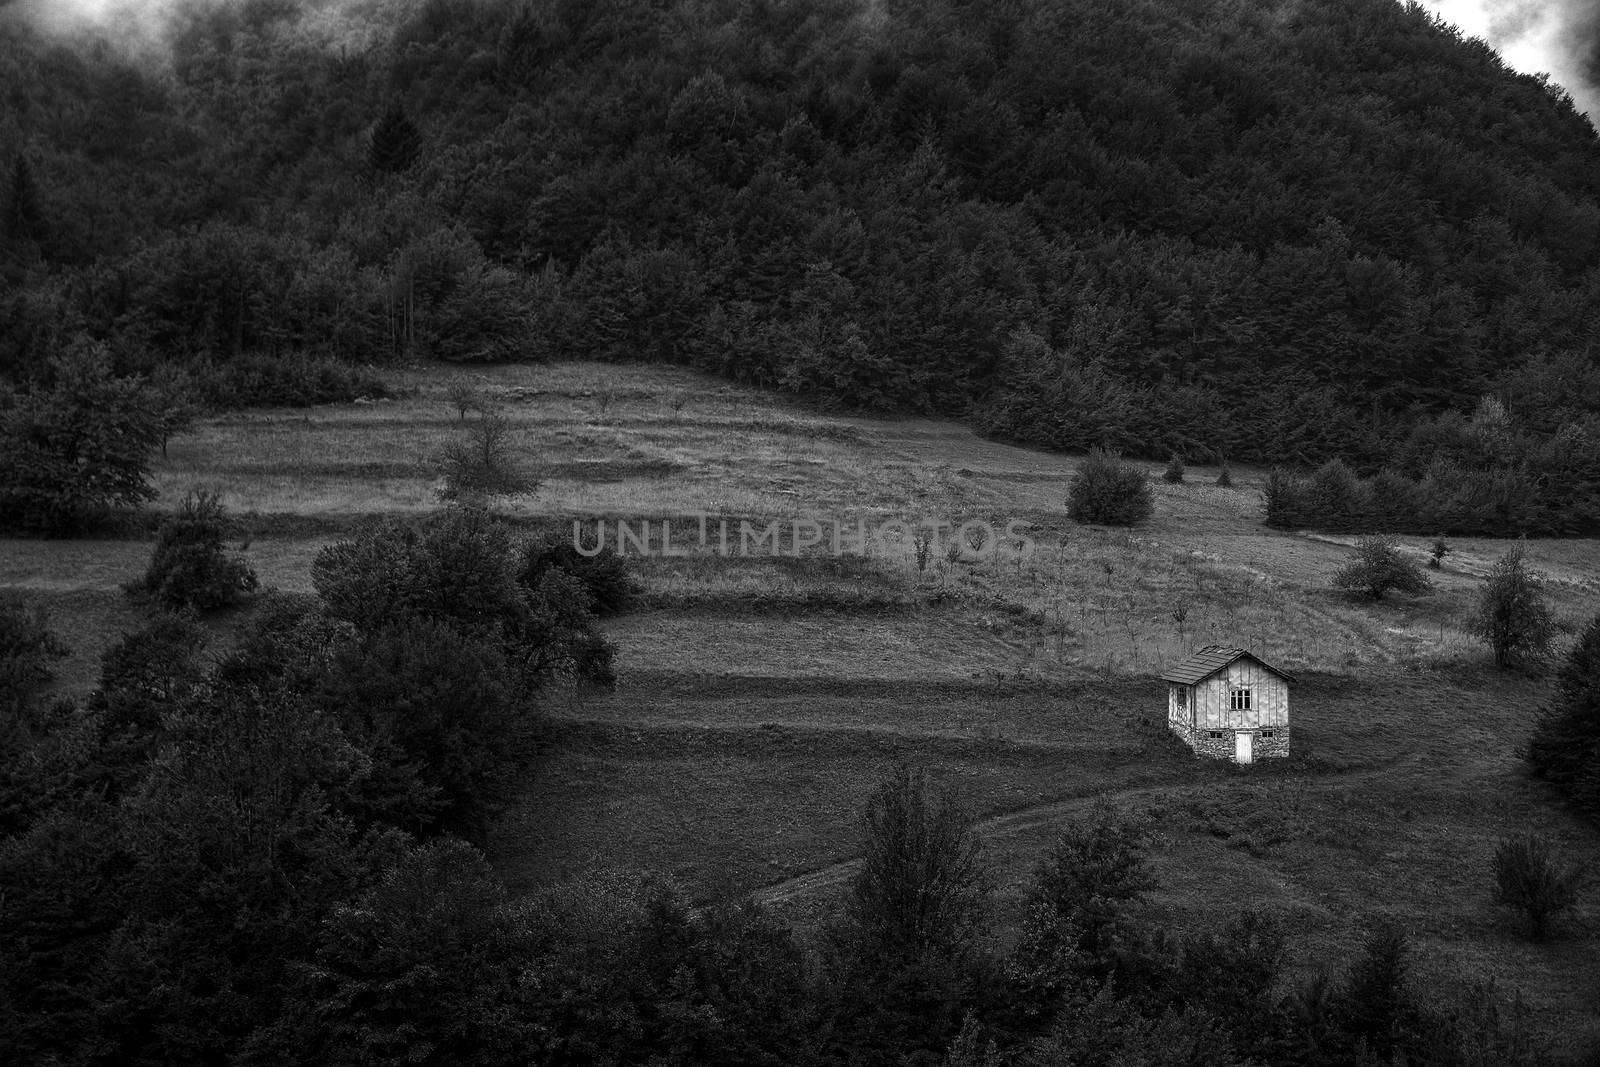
point(1281, 233)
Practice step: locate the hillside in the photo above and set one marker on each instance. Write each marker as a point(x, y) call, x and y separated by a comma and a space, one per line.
point(760, 698)
point(1280, 233)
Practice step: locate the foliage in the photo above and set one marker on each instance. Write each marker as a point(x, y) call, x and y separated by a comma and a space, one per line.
point(1380, 567)
point(921, 892)
point(1108, 491)
point(440, 717)
point(1530, 877)
point(251, 381)
point(76, 446)
point(902, 956)
point(603, 573)
point(464, 395)
point(460, 567)
point(484, 464)
point(1511, 616)
point(1173, 475)
point(189, 568)
point(395, 142)
point(1565, 747)
point(27, 647)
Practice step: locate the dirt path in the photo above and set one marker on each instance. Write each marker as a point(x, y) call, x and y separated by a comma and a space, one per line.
point(1009, 823)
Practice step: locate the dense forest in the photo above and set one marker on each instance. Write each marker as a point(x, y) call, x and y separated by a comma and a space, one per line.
point(1282, 234)
point(1273, 233)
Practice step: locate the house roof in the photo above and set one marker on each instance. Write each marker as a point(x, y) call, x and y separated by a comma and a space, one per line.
point(1200, 665)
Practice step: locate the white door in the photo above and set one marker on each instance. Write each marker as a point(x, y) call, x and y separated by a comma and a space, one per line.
point(1241, 746)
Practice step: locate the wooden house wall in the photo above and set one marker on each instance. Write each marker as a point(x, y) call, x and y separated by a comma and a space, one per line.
point(1269, 699)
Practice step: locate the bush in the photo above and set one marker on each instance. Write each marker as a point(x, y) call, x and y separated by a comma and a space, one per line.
point(1565, 747)
point(1512, 616)
point(484, 464)
point(189, 568)
point(1529, 877)
point(1225, 479)
point(1283, 498)
point(1380, 567)
point(460, 567)
point(1173, 475)
point(256, 381)
point(1335, 495)
point(604, 575)
point(1105, 490)
point(437, 714)
point(27, 647)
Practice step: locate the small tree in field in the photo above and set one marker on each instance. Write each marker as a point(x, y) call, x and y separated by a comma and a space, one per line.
point(189, 568)
point(1109, 491)
point(484, 463)
point(1173, 475)
point(1380, 567)
point(1512, 616)
point(1528, 876)
point(465, 396)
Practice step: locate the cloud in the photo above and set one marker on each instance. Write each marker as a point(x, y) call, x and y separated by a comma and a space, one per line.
point(1556, 37)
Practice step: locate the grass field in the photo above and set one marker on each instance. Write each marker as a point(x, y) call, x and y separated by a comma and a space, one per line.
point(761, 698)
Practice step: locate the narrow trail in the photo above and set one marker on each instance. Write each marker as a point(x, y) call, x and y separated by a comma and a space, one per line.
point(1009, 823)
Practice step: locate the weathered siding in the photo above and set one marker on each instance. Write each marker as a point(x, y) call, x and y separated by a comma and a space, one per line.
point(1269, 699)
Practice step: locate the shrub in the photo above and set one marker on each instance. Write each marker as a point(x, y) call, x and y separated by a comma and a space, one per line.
point(1334, 495)
point(189, 568)
point(1529, 877)
point(436, 712)
point(1174, 473)
point(1283, 498)
point(260, 380)
point(484, 464)
point(460, 567)
point(1380, 567)
point(1224, 478)
point(1106, 490)
point(27, 647)
point(1565, 747)
point(604, 575)
point(1512, 616)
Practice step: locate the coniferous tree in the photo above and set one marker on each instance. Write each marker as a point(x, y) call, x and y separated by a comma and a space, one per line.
point(396, 142)
point(1107, 490)
point(1565, 747)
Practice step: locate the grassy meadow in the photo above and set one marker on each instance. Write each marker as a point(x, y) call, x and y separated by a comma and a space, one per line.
point(761, 698)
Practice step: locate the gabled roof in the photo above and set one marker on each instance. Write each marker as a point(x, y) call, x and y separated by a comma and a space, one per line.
point(1198, 666)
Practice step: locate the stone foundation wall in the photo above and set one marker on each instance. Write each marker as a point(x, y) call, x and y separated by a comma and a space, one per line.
point(1274, 747)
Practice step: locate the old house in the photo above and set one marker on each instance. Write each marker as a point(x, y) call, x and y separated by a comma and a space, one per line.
point(1226, 702)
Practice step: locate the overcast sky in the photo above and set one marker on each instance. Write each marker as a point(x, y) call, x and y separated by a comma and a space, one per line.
point(1557, 37)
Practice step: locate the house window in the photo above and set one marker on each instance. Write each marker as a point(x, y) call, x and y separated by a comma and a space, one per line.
point(1241, 700)
point(1215, 735)
point(1183, 698)
point(1269, 733)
